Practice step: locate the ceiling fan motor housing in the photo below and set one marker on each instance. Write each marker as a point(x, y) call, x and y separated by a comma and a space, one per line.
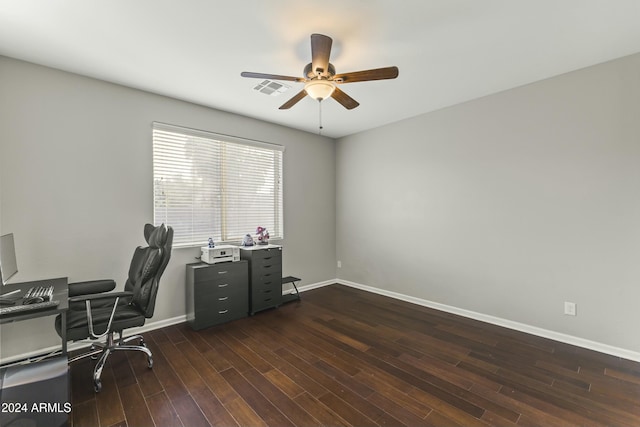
point(310, 73)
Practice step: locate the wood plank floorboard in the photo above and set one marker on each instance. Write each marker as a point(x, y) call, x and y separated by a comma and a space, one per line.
point(346, 357)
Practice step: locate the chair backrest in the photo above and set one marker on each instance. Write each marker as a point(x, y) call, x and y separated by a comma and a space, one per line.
point(147, 266)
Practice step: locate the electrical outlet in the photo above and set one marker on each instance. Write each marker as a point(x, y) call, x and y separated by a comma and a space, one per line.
point(570, 308)
point(339, 264)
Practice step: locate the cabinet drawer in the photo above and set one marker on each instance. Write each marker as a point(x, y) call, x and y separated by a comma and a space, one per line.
point(266, 253)
point(220, 273)
point(217, 316)
point(275, 259)
point(258, 292)
point(227, 316)
point(271, 270)
point(264, 301)
point(266, 276)
point(219, 289)
point(268, 262)
point(269, 282)
point(221, 303)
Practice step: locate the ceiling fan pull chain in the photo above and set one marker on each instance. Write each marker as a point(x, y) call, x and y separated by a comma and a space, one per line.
point(320, 117)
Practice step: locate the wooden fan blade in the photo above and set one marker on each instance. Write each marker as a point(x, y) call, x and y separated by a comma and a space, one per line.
point(320, 52)
point(293, 101)
point(347, 102)
point(271, 76)
point(366, 75)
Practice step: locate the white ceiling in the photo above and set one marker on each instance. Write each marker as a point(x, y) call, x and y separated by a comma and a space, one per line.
point(448, 51)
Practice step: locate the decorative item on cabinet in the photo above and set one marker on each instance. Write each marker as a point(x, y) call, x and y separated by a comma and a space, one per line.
point(262, 235)
point(216, 293)
point(247, 240)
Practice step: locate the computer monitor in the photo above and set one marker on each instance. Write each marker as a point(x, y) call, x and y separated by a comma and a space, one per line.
point(8, 264)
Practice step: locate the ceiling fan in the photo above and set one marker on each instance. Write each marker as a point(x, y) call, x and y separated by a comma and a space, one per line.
point(320, 76)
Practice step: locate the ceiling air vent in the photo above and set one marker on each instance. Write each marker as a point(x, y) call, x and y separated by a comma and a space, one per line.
point(270, 87)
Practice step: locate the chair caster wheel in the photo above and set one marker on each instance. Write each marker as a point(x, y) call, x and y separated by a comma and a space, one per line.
point(150, 363)
point(97, 386)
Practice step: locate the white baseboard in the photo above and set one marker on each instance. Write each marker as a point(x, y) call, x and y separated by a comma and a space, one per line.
point(317, 285)
point(149, 326)
point(71, 346)
point(533, 330)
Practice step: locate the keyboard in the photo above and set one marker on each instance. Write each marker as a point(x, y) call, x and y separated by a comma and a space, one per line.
point(40, 291)
point(23, 308)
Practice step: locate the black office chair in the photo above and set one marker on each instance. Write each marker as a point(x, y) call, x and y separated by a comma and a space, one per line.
point(95, 312)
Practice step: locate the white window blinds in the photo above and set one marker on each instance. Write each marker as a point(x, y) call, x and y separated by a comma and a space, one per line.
point(210, 185)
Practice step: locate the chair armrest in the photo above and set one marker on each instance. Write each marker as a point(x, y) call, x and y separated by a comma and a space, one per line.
point(91, 287)
point(110, 295)
point(111, 301)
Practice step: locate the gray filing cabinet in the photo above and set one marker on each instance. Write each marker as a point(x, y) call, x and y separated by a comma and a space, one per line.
point(265, 276)
point(217, 293)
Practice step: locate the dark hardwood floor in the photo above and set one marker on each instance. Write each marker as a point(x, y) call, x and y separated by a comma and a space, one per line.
point(344, 357)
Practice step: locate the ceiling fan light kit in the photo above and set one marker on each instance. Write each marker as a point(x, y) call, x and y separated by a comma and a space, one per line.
point(320, 78)
point(319, 89)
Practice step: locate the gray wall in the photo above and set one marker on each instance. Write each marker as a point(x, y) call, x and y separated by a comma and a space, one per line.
point(76, 174)
point(507, 206)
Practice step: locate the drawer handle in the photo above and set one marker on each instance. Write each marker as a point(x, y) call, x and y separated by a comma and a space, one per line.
point(267, 299)
point(268, 257)
point(223, 285)
point(267, 283)
point(223, 311)
point(223, 272)
point(223, 298)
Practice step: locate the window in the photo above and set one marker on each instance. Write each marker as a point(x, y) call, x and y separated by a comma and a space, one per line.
point(210, 185)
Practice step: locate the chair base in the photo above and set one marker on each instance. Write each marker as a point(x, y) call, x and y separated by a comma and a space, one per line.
point(101, 352)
